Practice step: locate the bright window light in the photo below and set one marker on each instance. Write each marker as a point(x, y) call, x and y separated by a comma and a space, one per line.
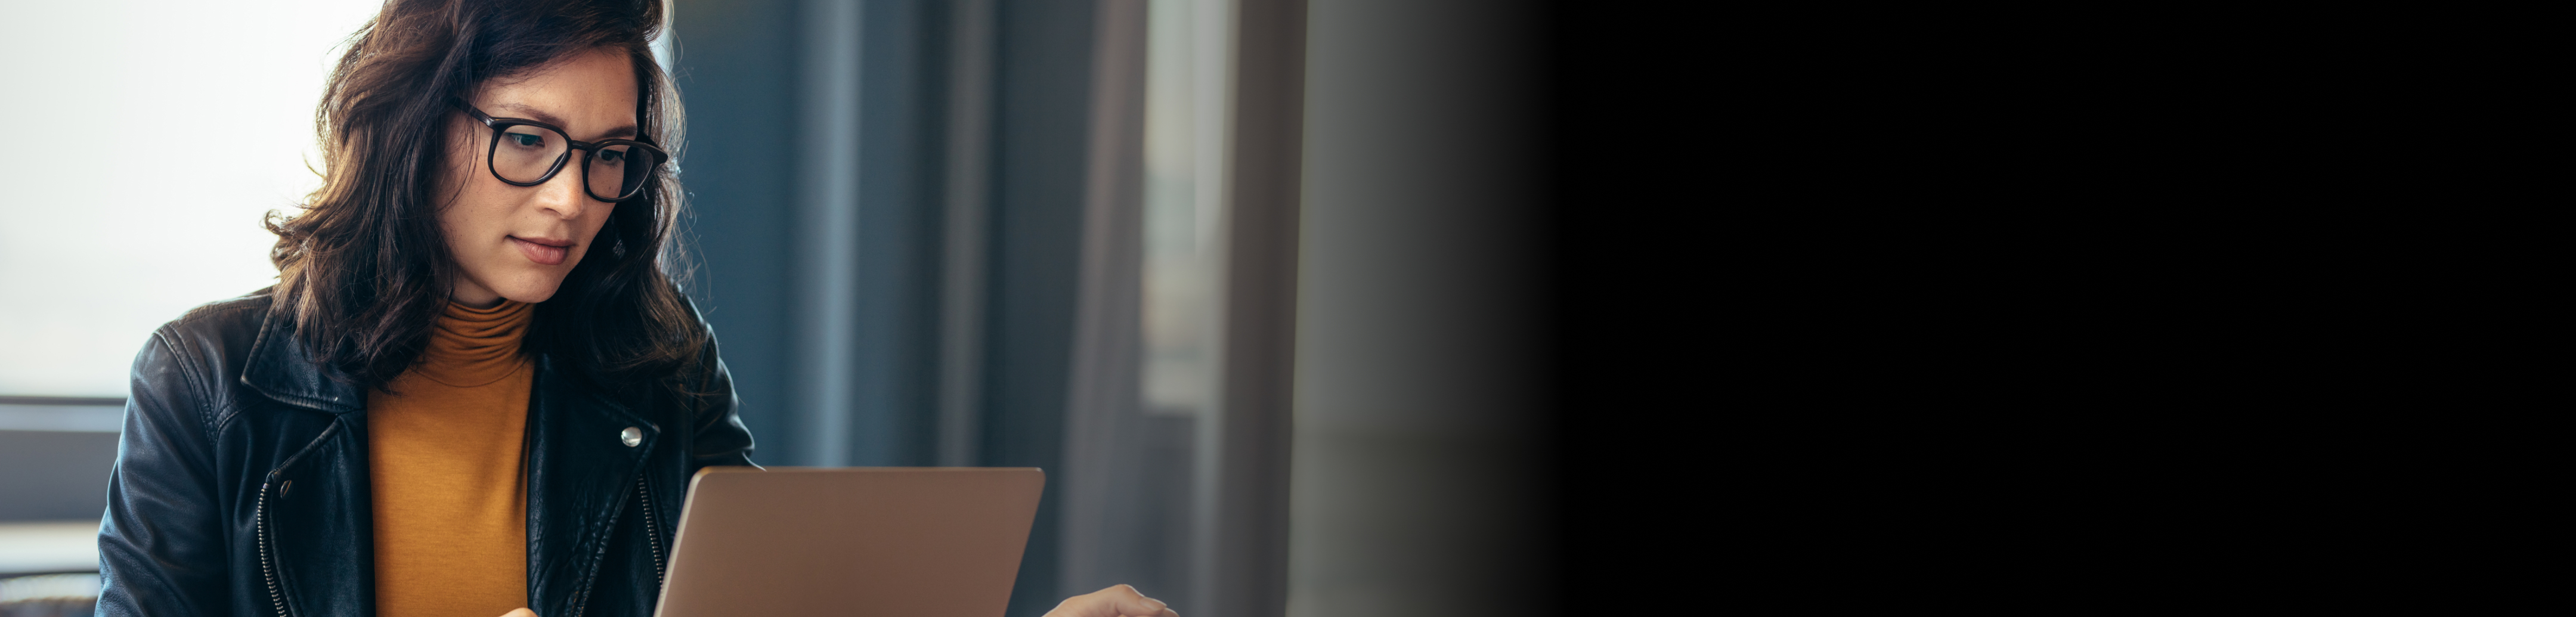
point(147, 138)
point(1184, 134)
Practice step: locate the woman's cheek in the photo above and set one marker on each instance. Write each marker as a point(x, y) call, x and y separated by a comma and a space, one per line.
point(597, 224)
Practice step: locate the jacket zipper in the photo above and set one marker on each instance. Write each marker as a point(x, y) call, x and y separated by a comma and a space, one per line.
point(267, 569)
point(652, 530)
point(268, 565)
point(652, 537)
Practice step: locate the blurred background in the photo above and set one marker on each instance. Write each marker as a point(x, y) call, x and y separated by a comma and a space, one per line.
point(1257, 282)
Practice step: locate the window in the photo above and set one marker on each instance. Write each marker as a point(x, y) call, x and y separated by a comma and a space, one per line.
point(1182, 105)
point(149, 136)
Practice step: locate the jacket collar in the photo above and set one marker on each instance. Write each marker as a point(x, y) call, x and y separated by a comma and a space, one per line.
point(280, 368)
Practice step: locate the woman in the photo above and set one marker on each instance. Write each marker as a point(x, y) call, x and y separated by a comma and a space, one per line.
point(474, 389)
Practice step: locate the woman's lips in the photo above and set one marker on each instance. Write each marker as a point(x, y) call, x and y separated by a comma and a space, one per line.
point(547, 254)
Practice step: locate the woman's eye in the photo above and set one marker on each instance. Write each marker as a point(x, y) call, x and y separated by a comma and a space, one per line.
point(612, 157)
point(525, 140)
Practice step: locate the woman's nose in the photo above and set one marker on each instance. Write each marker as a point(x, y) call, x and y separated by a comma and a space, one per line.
point(562, 195)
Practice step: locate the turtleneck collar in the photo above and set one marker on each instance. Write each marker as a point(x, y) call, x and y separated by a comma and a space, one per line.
point(472, 347)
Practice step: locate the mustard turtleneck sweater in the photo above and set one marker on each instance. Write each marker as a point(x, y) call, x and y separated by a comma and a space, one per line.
point(445, 449)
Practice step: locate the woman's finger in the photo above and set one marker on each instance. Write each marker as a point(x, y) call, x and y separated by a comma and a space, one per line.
point(1129, 602)
point(1115, 601)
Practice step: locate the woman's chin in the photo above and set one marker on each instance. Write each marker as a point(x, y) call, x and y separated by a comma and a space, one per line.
point(530, 294)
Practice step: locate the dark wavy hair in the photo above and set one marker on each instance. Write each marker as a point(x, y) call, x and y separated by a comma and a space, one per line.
point(364, 269)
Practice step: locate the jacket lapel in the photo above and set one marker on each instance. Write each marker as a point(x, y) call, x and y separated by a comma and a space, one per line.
point(581, 472)
point(323, 529)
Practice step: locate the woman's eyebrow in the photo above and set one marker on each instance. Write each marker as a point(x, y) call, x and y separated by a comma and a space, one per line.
point(524, 111)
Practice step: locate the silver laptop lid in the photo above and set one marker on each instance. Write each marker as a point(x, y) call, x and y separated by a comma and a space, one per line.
point(913, 541)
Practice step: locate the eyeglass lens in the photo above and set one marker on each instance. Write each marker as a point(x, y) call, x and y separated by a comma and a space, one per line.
point(526, 153)
point(616, 170)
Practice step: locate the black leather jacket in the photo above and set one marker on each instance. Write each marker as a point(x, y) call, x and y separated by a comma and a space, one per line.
point(241, 483)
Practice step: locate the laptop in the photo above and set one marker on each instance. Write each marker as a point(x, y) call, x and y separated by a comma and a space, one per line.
point(912, 541)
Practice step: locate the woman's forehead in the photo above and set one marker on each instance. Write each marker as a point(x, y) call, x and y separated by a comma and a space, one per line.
point(591, 95)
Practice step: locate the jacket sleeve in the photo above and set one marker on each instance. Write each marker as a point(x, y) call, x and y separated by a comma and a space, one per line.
point(718, 436)
point(161, 543)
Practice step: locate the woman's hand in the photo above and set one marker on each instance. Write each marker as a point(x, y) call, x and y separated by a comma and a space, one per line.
point(1116, 601)
point(521, 613)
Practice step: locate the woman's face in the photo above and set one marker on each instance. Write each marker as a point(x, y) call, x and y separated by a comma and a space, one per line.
point(518, 242)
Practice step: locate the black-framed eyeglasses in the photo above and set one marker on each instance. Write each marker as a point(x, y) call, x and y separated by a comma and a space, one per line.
point(528, 153)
